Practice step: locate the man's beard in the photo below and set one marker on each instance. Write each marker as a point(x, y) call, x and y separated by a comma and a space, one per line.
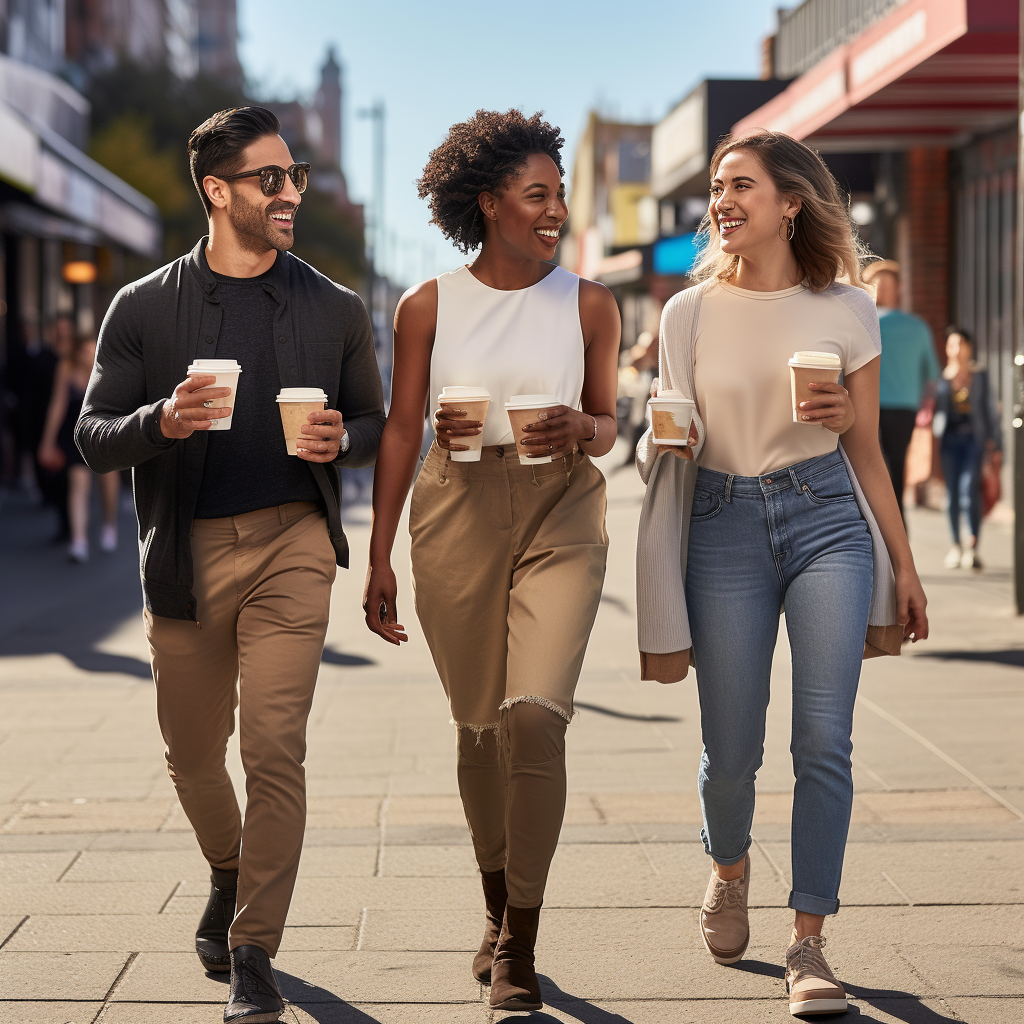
point(254, 228)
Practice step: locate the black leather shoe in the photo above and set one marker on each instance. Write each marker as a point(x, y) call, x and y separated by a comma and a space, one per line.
point(255, 997)
point(212, 933)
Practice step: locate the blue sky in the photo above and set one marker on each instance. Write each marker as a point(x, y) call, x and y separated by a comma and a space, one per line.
point(435, 63)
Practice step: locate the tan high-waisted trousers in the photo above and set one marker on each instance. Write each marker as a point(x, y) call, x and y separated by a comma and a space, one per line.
point(508, 562)
point(263, 587)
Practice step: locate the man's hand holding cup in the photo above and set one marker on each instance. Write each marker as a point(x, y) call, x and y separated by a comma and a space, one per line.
point(193, 406)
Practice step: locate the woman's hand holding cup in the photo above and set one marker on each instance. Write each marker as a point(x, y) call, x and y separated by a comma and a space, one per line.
point(833, 410)
point(679, 451)
point(450, 423)
point(555, 431)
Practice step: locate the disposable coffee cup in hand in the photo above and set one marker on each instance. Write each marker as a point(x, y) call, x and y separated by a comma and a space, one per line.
point(296, 404)
point(811, 368)
point(523, 410)
point(475, 401)
point(226, 371)
point(671, 415)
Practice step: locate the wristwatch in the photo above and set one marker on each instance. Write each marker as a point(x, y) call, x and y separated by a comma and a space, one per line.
point(344, 443)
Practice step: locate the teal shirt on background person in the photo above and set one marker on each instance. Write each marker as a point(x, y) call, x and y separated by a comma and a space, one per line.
point(908, 359)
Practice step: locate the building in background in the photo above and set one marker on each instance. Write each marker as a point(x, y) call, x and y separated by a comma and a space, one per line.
point(921, 96)
point(612, 215)
point(217, 40)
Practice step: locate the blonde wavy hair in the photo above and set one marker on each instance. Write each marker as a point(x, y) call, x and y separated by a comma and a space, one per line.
point(825, 241)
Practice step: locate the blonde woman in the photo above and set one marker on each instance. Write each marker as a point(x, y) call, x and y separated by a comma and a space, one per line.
point(773, 511)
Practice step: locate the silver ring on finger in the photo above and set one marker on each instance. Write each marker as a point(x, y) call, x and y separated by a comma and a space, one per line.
point(551, 449)
point(207, 405)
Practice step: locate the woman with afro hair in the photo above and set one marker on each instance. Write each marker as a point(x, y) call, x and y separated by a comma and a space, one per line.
point(508, 559)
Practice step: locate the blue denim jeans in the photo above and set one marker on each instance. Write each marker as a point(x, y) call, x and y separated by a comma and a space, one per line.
point(793, 537)
point(962, 456)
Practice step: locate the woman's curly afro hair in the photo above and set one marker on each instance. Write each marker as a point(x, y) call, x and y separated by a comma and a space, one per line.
point(481, 155)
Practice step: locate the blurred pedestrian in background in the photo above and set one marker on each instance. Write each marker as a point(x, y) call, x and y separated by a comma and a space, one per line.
point(57, 451)
point(908, 369)
point(32, 367)
point(967, 425)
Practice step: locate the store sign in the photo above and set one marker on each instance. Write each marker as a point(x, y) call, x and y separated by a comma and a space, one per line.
point(676, 256)
point(19, 152)
point(678, 145)
point(893, 46)
point(828, 91)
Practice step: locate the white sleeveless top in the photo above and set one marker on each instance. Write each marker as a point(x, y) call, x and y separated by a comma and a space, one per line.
point(523, 342)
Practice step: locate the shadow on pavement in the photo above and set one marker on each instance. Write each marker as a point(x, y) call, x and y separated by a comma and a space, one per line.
point(1012, 656)
point(333, 657)
point(318, 1003)
point(904, 1006)
point(612, 713)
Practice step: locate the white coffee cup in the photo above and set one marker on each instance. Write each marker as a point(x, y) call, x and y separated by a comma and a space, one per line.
point(475, 401)
point(226, 371)
point(671, 414)
point(295, 405)
point(811, 367)
point(522, 410)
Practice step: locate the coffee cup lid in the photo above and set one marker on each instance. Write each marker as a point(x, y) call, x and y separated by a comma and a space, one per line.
point(531, 402)
point(213, 365)
point(671, 398)
point(301, 395)
point(822, 360)
point(459, 393)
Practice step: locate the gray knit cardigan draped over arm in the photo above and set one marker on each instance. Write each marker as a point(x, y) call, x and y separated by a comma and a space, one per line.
point(662, 625)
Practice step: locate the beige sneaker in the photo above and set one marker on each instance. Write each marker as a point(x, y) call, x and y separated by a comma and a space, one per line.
point(723, 918)
point(953, 557)
point(810, 982)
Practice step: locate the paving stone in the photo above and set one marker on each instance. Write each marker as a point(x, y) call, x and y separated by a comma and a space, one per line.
point(343, 812)
point(408, 1013)
point(990, 970)
point(92, 816)
point(161, 1013)
point(84, 898)
point(337, 861)
point(48, 1013)
point(985, 1010)
point(104, 932)
point(313, 938)
point(58, 976)
point(139, 866)
point(34, 867)
point(421, 861)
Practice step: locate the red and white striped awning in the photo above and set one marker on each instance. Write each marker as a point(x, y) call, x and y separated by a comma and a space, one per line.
point(931, 73)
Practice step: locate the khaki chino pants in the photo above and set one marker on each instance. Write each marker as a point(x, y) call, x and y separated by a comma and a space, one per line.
point(508, 564)
point(262, 585)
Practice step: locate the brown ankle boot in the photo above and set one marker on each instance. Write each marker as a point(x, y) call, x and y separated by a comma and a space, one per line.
point(495, 897)
point(514, 984)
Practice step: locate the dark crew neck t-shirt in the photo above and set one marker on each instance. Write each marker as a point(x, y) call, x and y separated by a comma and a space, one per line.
point(247, 467)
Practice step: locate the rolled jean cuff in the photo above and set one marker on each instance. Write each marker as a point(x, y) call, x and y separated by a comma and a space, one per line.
point(724, 861)
point(817, 905)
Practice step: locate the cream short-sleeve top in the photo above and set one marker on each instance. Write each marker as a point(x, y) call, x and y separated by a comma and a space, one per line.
point(741, 369)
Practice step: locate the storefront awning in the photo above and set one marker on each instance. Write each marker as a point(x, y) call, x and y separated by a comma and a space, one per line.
point(931, 73)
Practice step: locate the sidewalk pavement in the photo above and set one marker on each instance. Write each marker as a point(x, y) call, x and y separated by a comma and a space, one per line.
point(101, 882)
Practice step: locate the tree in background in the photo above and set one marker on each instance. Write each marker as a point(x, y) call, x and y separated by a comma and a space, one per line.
point(142, 117)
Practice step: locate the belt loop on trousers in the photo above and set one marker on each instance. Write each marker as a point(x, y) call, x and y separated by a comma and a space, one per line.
point(282, 515)
point(568, 471)
point(728, 488)
point(793, 478)
point(442, 473)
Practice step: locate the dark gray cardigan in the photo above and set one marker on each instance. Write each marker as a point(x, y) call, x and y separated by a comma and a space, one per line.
point(154, 328)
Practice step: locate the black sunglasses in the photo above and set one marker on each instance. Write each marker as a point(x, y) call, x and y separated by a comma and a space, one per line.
point(272, 177)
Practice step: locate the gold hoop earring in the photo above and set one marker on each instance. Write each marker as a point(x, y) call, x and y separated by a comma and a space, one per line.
point(790, 231)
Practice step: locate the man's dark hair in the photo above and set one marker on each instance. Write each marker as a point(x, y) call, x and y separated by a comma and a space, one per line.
point(481, 155)
point(217, 145)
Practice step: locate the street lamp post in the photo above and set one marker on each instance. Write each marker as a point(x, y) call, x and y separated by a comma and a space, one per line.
point(1017, 422)
point(375, 246)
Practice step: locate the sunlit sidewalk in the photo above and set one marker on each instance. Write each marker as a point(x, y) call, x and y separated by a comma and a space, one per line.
point(101, 882)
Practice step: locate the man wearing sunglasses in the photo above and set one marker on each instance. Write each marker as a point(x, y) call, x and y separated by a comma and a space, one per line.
point(239, 540)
